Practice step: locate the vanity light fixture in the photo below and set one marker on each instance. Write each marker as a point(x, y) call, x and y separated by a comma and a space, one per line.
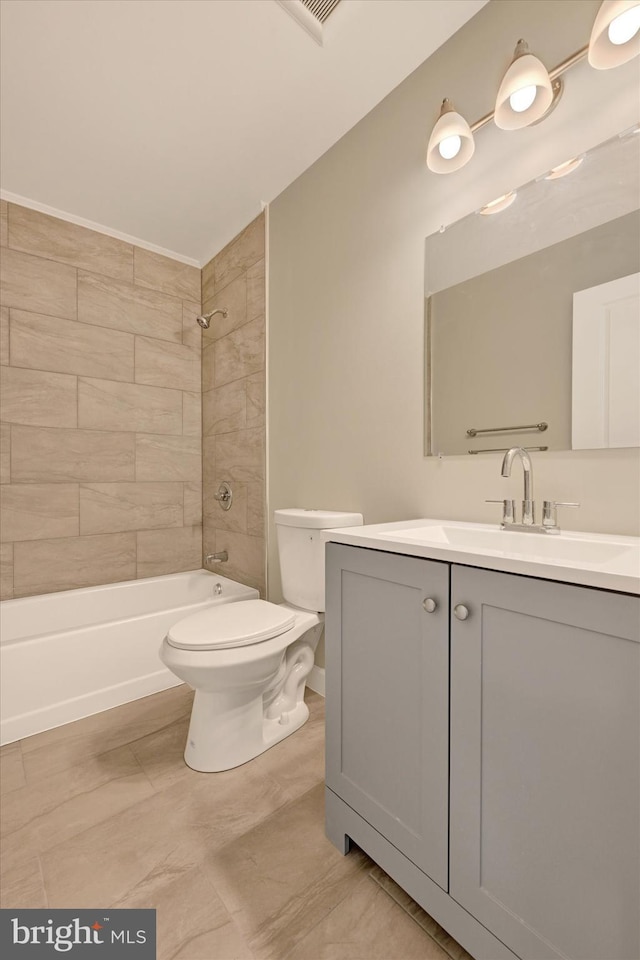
point(526, 92)
point(529, 91)
point(498, 205)
point(451, 143)
point(615, 37)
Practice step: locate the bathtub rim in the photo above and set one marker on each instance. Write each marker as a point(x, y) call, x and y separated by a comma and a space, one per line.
point(11, 607)
point(149, 676)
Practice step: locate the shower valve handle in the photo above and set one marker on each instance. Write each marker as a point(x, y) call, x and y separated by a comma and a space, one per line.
point(224, 496)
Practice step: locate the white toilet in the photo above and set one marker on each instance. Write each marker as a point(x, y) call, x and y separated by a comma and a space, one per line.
point(249, 661)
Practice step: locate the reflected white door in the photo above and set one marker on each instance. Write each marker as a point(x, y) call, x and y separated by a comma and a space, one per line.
point(606, 365)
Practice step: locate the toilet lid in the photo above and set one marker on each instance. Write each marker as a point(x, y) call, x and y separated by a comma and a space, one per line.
point(231, 625)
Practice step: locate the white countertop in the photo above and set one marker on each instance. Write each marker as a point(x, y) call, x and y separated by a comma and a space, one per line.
point(607, 561)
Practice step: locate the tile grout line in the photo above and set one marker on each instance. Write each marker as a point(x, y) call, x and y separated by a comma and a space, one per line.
point(89, 323)
point(75, 264)
point(66, 263)
point(42, 880)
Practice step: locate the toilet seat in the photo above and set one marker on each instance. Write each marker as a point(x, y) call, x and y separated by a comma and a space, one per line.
point(231, 625)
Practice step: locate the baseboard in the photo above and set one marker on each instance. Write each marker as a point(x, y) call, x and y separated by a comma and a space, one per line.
point(315, 680)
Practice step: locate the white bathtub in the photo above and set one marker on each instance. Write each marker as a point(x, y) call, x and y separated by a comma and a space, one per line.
point(67, 655)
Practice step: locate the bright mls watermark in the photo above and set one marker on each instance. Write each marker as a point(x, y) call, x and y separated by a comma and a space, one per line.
point(80, 934)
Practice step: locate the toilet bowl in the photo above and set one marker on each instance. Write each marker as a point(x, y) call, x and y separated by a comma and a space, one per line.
point(248, 661)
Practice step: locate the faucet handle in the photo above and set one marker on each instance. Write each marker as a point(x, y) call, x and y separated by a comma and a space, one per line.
point(549, 514)
point(508, 510)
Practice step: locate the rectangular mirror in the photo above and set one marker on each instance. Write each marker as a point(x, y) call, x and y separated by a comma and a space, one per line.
point(532, 314)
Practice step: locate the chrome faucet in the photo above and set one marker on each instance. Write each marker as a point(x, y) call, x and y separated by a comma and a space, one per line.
point(528, 506)
point(528, 524)
point(220, 557)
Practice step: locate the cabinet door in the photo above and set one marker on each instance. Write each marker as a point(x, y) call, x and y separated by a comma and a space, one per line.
point(545, 752)
point(387, 678)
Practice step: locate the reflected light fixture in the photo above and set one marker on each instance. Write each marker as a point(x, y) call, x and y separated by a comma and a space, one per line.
point(615, 37)
point(498, 205)
point(529, 92)
point(526, 93)
point(451, 143)
point(563, 169)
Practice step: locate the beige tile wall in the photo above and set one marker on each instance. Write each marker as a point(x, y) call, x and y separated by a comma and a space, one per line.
point(100, 439)
point(233, 404)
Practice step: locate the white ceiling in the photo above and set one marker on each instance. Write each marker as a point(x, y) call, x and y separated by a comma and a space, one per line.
point(172, 120)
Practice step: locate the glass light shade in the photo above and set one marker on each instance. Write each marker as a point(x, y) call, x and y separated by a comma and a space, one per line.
point(451, 143)
point(515, 105)
point(616, 20)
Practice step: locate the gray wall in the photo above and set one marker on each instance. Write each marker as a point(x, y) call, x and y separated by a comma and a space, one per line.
point(345, 337)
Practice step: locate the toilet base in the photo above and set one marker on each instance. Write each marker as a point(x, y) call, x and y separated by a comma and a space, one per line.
point(232, 726)
point(214, 757)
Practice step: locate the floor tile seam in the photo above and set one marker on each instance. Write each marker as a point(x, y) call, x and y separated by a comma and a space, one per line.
point(41, 785)
point(218, 848)
point(307, 932)
point(31, 825)
point(11, 870)
point(158, 730)
point(136, 739)
point(38, 781)
point(300, 909)
point(360, 881)
point(127, 808)
point(139, 765)
point(185, 944)
point(80, 736)
point(42, 881)
point(7, 793)
point(278, 811)
point(155, 872)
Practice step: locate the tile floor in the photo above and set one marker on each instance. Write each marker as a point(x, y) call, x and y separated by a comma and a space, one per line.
point(104, 812)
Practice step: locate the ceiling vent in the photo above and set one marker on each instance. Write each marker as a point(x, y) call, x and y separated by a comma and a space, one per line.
point(310, 14)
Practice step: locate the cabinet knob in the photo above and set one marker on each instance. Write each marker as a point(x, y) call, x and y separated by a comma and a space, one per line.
point(429, 605)
point(460, 612)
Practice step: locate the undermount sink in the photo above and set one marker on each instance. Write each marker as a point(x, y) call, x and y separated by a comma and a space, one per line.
point(576, 548)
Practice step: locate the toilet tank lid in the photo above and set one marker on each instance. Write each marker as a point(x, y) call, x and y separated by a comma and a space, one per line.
point(317, 519)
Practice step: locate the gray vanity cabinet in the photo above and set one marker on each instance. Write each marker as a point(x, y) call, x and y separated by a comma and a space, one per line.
point(545, 746)
point(519, 829)
point(388, 697)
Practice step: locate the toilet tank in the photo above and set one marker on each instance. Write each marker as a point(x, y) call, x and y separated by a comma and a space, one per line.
point(301, 551)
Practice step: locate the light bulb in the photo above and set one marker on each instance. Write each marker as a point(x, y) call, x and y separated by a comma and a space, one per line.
point(625, 26)
point(521, 100)
point(449, 147)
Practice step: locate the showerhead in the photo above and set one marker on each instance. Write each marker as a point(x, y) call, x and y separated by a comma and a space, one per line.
point(205, 318)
